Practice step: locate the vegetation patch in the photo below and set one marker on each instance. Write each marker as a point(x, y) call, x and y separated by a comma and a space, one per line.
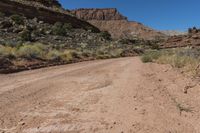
point(150, 56)
point(36, 51)
point(17, 19)
point(105, 35)
point(185, 58)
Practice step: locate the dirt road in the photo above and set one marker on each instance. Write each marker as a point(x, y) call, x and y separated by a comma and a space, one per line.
point(109, 96)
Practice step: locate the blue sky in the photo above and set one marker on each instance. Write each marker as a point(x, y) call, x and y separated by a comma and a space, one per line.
point(158, 14)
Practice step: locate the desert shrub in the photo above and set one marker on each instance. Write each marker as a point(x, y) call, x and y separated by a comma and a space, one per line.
point(116, 53)
point(102, 53)
point(155, 46)
point(176, 60)
point(31, 51)
point(25, 35)
point(17, 19)
point(146, 58)
point(150, 56)
point(67, 26)
point(36, 33)
point(104, 56)
point(128, 41)
point(92, 29)
point(67, 55)
point(76, 54)
point(54, 55)
point(186, 59)
point(58, 29)
point(7, 51)
point(87, 53)
point(6, 24)
point(105, 35)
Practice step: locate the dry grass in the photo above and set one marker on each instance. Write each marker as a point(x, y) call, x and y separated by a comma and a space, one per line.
point(185, 58)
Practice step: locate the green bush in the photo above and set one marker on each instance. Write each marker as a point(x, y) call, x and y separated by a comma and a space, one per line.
point(58, 29)
point(17, 19)
point(54, 55)
point(105, 35)
point(92, 29)
point(76, 55)
point(67, 26)
point(25, 35)
point(150, 56)
point(146, 58)
point(155, 46)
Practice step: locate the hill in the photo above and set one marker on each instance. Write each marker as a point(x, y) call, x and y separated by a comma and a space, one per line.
point(109, 19)
point(35, 35)
point(191, 39)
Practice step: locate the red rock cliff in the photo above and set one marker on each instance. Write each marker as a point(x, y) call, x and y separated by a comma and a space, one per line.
point(109, 19)
point(98, 14)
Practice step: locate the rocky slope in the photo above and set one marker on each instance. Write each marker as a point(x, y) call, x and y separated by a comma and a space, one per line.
point(47, 3)
point(43, 13)
point(192, 39)
point(117, 25)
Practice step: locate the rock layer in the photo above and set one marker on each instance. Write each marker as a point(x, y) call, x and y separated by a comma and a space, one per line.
point(98, 14)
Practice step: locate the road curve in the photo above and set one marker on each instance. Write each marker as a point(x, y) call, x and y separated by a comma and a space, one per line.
point(107, 96)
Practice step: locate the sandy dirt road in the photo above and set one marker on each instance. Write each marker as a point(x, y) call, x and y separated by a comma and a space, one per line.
point(109, 96)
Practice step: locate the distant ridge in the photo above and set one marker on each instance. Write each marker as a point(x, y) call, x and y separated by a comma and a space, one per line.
point(173, 32)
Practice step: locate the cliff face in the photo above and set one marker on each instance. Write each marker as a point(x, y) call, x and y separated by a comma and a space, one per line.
point(98, 14)
point(116, 24)
point(10, 7)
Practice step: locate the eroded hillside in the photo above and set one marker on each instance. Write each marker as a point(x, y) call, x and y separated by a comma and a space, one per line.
point(42, 13)
point(117, 25)
point(191, 39)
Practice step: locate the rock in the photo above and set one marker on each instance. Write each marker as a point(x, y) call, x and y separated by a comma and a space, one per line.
point(195, 37)
point(98, 14)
